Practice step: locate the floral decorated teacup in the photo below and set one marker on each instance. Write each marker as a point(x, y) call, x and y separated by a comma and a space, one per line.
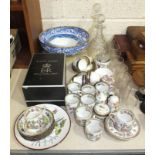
point(94, 129)
point(82, 114)
point(113, 103)
point(72, 101)
point(88, 100)
point(88, 89)
point(74, 87)
point(123, 119)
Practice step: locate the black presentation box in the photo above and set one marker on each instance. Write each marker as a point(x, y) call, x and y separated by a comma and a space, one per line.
point(45, 80)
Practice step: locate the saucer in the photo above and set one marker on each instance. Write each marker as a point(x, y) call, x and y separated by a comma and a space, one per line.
point(60, 131)
point(109, 126)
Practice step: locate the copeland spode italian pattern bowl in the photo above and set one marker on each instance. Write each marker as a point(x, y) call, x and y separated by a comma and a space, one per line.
point(35, 123)
point(58, 134)
point(66, 39)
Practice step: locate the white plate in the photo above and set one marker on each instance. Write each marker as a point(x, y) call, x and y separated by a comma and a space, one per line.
point(122, 135)
point(58, 134)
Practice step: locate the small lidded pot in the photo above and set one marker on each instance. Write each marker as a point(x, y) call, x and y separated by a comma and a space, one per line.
point(101, 110)
point(82, 114)
point(94, 129)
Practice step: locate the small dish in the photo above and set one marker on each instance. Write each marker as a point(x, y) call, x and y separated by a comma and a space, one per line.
point(110, 128)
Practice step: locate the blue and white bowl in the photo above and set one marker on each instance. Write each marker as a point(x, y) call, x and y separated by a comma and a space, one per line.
point(67, 39)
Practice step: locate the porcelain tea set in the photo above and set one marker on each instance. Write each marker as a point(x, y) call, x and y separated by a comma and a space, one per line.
point(92, 100)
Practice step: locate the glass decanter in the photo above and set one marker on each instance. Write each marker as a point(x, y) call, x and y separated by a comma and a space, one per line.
point(98, 47)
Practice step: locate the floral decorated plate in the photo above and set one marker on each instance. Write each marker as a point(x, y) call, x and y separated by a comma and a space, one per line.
point(60, 131)
point(109, 126)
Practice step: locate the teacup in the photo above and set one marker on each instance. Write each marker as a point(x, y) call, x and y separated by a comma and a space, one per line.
point(94, 129)
point(82, 114)
point(88, 89)
point(88, 100)
point(72, 101)
point(102, 90)
point(80, 78)
point(123, 119)
point(102, 87)
point(113, 103)
point(74, 87)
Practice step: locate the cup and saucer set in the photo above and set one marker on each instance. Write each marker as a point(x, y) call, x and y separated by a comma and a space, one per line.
point(95, 106)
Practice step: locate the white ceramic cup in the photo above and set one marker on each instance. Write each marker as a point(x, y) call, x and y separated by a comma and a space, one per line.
point(102, 90)
point(88, 100)
point(113, 103)
point(123, 119)
point(94, 129)
point(88, 89)
point(74, 87)
point(82, 114)
point(71, 102)
point(102, 87)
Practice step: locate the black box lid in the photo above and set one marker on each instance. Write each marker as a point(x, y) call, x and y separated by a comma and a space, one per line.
point(46, 69)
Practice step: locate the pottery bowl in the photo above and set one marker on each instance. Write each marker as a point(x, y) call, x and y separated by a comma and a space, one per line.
point(66, 39)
